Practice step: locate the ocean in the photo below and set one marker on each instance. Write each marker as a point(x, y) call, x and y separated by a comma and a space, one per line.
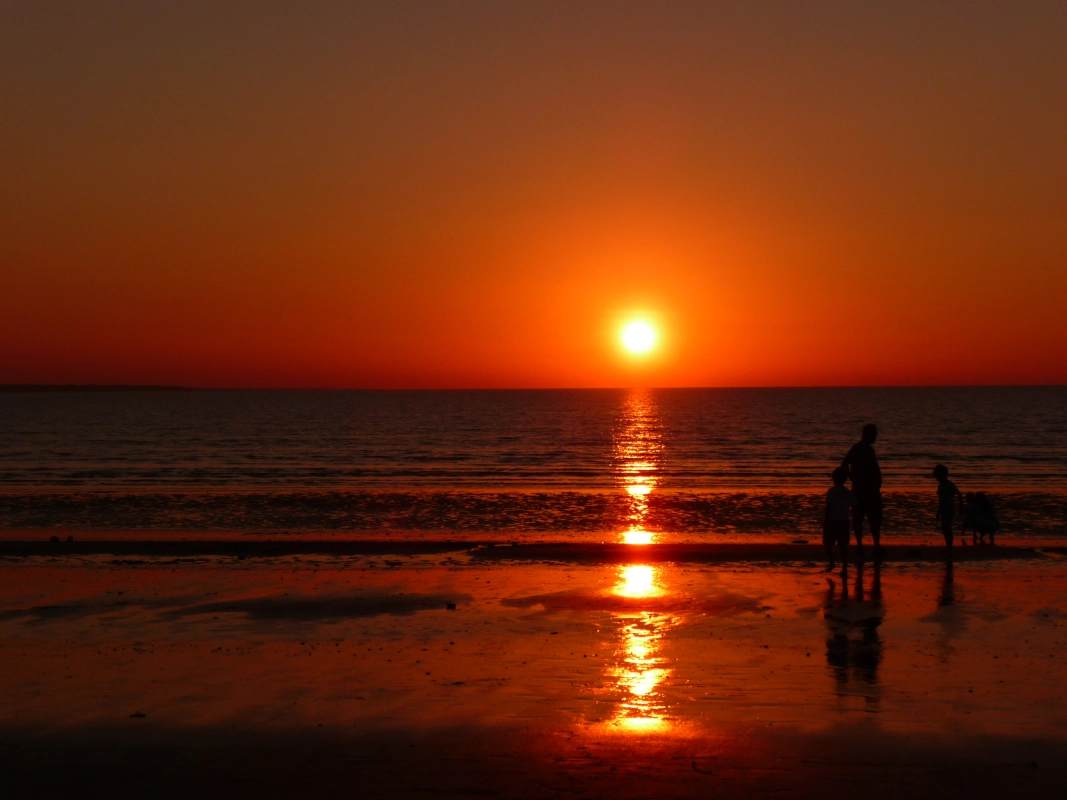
point(681, 463)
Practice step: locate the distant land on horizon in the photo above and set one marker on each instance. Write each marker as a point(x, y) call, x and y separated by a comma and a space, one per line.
point(88, 387)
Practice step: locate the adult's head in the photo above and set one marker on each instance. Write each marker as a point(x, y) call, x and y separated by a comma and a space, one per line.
point(870, 433)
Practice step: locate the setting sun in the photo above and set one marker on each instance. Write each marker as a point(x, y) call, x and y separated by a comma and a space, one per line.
point(638, 337)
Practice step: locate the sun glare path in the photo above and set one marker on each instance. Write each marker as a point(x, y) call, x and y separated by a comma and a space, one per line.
point(642, 672)
point(637, 452)
point(638, 337)
point(637, 580)
point(637, 536)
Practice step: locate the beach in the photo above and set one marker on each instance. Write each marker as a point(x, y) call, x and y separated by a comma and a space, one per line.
point(462, 669)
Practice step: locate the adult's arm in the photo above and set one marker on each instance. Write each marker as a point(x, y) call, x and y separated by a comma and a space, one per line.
point(846, 462)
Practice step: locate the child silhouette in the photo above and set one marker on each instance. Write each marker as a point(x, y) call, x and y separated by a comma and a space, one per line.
point(947, 493)
point(840, 503)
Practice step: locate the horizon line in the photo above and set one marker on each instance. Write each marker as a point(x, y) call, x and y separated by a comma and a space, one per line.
point(15, 388)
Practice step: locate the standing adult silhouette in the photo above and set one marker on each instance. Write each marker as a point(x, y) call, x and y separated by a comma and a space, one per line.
point(862, 465)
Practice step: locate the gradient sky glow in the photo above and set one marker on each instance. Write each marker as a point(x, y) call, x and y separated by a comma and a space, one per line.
point(450, 194)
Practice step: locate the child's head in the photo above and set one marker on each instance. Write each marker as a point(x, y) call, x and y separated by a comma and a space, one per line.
point(969, 497)
point(941, 472)
point(839, 475)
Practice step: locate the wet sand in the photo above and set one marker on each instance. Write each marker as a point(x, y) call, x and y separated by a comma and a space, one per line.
point(723, 550)
point(730, 670)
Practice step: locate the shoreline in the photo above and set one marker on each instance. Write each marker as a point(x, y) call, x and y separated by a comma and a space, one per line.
point(504, 516)
point(484, 550)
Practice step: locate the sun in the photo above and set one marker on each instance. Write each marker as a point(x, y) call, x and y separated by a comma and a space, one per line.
point(638, 337)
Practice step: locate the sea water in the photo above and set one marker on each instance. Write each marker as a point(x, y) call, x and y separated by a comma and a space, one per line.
point(693, 462)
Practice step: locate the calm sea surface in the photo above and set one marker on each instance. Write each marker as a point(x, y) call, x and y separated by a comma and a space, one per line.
point(694, 461)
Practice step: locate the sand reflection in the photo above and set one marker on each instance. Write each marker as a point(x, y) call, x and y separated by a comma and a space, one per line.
point(640, 667)
point(638, 580)
point(853, 645)
point(637, 449)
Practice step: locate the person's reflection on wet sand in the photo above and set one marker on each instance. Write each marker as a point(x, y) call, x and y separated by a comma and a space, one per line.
point(947, 597)
point(853, 646)
point(950, 614)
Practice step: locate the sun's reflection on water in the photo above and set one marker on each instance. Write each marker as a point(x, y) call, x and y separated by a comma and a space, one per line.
point(637, 448)
point(640, 668)
point(637, 536)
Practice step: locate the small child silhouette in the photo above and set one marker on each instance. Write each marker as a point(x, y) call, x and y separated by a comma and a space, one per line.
point(839, 505)
point(985, 518)
point(980, 516)
point(946, 502)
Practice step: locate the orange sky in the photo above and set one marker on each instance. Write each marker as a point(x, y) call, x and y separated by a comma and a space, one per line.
point(481, 194)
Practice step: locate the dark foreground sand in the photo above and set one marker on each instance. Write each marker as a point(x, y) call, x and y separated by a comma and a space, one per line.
point(633, 672)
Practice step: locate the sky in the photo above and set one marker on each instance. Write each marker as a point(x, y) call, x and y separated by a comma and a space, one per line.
point(469, 195)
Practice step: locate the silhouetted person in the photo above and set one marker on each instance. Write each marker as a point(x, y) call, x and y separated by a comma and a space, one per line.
point(946, 503)
point(840, 503)
point(979, 517)
point(866, 475)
